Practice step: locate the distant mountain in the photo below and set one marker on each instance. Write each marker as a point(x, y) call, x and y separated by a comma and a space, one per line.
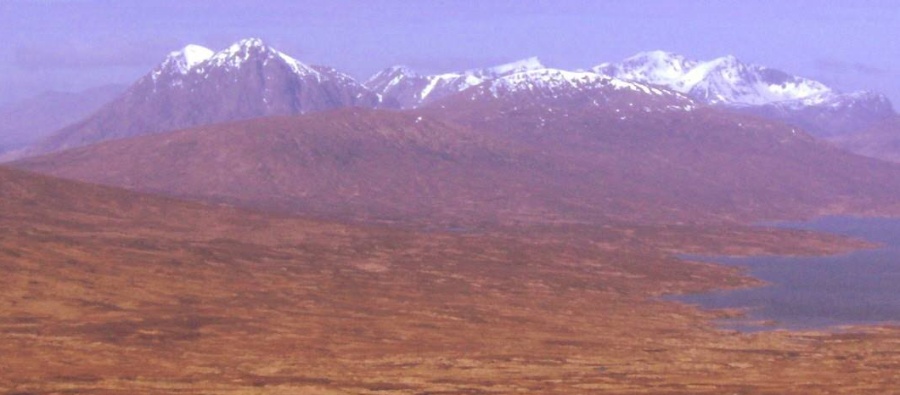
point(410, 89)
point(881, 140)
point(835, 116)
point(659, 156)
point(546, 88)
point(542, 146)
point(724, 80)
point(772, 93)
point(350, 164)
point(196, 86)
point(29, 120)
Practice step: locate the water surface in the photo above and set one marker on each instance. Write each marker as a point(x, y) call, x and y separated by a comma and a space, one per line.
point(861, 287)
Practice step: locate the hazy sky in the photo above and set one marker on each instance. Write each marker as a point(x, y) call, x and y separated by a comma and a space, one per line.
point(73, 45)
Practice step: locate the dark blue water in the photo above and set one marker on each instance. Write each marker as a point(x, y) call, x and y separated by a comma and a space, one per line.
point(862, 287)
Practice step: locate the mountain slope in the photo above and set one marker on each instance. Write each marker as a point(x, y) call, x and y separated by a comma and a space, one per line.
point(195, 86)
point(493, 154)
point(658, 154)
point(758, 90)
point(880, 141)
point(351, 163)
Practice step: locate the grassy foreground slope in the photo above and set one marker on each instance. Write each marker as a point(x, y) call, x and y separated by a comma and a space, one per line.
point(110, 292)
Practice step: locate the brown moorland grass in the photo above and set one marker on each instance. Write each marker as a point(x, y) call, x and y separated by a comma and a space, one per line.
point(109, 292)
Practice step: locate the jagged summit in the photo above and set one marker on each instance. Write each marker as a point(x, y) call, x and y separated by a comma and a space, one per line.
point(182, 61)
point(253, 50)
point(654, 67)
point(527, 64)
point(411, 89)
point(386, 76)
point(250, 78)
point(188, 57)
point(724, 80)
point(240, 52)
point(729, 82)
point(200, 60)
point(194, 86)
point(402, 69)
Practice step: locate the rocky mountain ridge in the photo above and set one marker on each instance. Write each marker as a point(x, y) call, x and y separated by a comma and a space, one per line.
point(758, 90)
point(197, 86)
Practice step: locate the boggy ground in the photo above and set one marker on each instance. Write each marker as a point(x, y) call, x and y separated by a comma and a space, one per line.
point(107, 292)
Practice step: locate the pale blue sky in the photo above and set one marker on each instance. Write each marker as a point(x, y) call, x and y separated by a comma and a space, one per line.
point(72, 45)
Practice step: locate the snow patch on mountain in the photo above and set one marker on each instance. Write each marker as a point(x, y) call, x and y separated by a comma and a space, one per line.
point(192, 55)
point(725, 80)
point(583, 87)
point(554, 80)
point(182, 61)
point(653, 67)
point(198, 60)
point(238, 53)
point(528, 64)
point(250, 49)
point(411, 89)
point(459, 82)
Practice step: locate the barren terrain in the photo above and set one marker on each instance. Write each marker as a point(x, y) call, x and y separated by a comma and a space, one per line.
point(110, 292)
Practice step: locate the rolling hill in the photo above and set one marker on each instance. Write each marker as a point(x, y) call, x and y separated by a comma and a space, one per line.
point(496, 154)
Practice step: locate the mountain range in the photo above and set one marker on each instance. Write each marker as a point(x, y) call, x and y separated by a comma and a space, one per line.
point(501, 156)
point(266, 226)
point(657, 138)
point(759, 90)
point(196, 86)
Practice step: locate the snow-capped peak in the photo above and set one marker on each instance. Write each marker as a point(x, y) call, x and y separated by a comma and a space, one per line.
point(553, 80)
point(245, 46)
point(652, 67)
point(185, 59)
point(458, 82)
point(254, 49)
point(401, 69)
point(660, 59)
point(727, 61)
point(239, 52)
point(724, 80)
point(532, 63)
point(249, 42)
point(393, 72)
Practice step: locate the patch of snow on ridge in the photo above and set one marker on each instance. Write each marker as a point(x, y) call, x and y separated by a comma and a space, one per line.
point(724, 80)
point(296, 66)
point(192, 55)
point(237, 54)
point(456, 82)
point(551, 79)
point(182, 61)
point(555, 79)
point(557, 83)
point(654, 67)
point(528, 64)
